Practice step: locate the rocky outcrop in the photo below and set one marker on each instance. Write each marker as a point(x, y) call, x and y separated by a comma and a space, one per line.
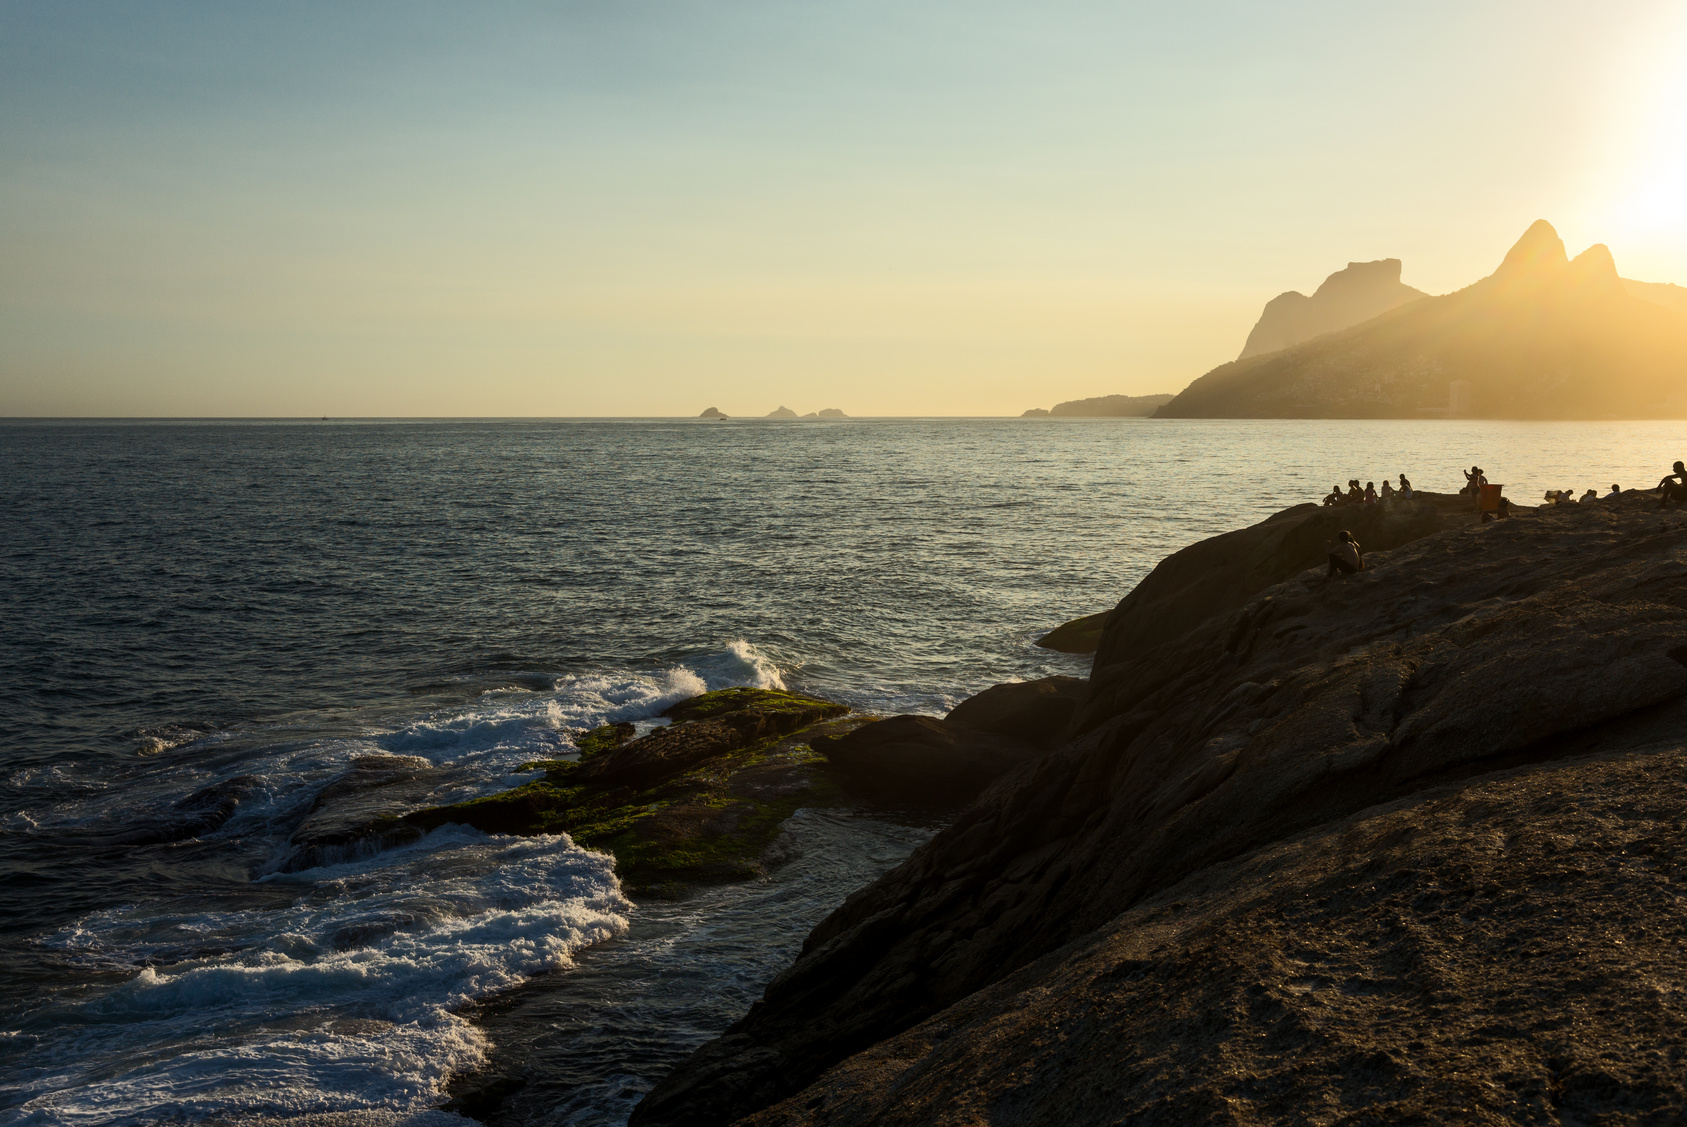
point(1226, 571)
point(921, 761)
point(1035, 712)
point(832, 413)
point(713, 413)
point(696, 801)
point(1035, 413)
point(1347, 297)
point(1503, 952)
point(1542, 337)
point(1551, 644)
point(1104, 407)
point(781, 413)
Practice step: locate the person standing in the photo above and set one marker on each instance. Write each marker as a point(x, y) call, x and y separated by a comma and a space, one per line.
point(1405, 488)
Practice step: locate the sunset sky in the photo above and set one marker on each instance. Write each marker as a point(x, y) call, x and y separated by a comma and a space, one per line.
point(647, 209)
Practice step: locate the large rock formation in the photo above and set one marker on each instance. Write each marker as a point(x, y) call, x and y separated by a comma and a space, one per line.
point(1226, 571)
point(1347, 297)
point(1397, 846)
point(781, 413)
point(1542, 337)
point(713, 413)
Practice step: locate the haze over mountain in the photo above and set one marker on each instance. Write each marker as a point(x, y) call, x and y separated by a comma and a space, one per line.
point(1347, 297)
point(1544, 336)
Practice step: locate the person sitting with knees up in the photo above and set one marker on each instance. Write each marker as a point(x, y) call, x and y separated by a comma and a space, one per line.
point(1344, 555)
point(1674, 486)
point(1336, 496)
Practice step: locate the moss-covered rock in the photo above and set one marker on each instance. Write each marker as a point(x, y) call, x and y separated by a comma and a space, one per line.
point(697, 801)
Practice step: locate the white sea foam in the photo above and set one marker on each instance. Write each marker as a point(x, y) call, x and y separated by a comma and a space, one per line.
point(340, 1001)
point(333, 994)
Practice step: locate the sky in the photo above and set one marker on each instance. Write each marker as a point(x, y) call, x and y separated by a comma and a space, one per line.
point(938, 208)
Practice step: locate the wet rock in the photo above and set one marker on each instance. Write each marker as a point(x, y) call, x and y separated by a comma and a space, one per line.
point(1473, 651)
point(921, 761)
point(698, 801)
point(1037, 712)
point(355, 814)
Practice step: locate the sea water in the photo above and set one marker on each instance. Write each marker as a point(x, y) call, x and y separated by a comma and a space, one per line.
point(202, 624)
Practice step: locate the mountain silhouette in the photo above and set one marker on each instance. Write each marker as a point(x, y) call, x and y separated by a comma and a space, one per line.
point(1347, 297)
point(1543, 337)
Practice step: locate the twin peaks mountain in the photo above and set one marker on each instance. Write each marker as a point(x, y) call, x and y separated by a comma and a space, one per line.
point(1544, 336)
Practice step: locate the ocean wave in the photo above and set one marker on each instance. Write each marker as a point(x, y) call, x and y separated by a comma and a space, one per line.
point(341, 1001)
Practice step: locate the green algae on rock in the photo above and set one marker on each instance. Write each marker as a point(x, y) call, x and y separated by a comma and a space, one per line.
point(697, 801)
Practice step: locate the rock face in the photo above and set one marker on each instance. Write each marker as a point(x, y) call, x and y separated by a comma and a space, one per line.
point(832, 413)
point(713, 413)
point(1347, 297)
point(1037, 712)
point(1517, 688)
point(781, 413)
point(1387, 967)
point(1227, 570)
point(1542, 337)
point(921, 761)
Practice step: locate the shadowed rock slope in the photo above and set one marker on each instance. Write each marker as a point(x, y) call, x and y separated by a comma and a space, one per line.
point(1401, 799)
point(1223, 572)
point(1543, 337)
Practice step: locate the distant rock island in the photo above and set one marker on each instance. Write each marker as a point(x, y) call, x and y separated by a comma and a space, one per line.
point(1347, 297)
point(713, 413)
point(1102, 407)
point(1543, 337)
point(781, 413)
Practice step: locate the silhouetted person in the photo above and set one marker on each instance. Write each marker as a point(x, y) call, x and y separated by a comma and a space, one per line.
point(1405, 488)
point(1386, 493)
point(1472, 479)
point(1616, 490)
point(1335, 497)
point(1354, 494)
point(1370, 493)
point(1344, 555)
point(1674, 486)
point(1590, 495)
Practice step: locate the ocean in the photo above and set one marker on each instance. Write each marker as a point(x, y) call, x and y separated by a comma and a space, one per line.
point(205, 622)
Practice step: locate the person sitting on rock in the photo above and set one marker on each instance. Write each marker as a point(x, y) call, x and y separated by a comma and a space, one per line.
point(1590, 495)
point(1616, 491)
point(1336, 496)
point(1405, 488)
point(1355, 495)
point(1386, 493)
point(1344, 555)
point(1370, 493)
point(1674, 486)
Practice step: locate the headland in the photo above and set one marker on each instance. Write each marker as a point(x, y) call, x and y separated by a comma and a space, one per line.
point(1403, 845)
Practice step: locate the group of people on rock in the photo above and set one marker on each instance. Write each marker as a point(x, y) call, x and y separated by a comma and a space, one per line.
point(1369, 495)
point(1344, 554)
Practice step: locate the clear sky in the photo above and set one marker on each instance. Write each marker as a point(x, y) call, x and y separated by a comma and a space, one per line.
point(888, 207)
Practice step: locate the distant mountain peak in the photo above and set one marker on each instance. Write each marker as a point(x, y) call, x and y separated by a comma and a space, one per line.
point(1357, 293)
point(1539, 252)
